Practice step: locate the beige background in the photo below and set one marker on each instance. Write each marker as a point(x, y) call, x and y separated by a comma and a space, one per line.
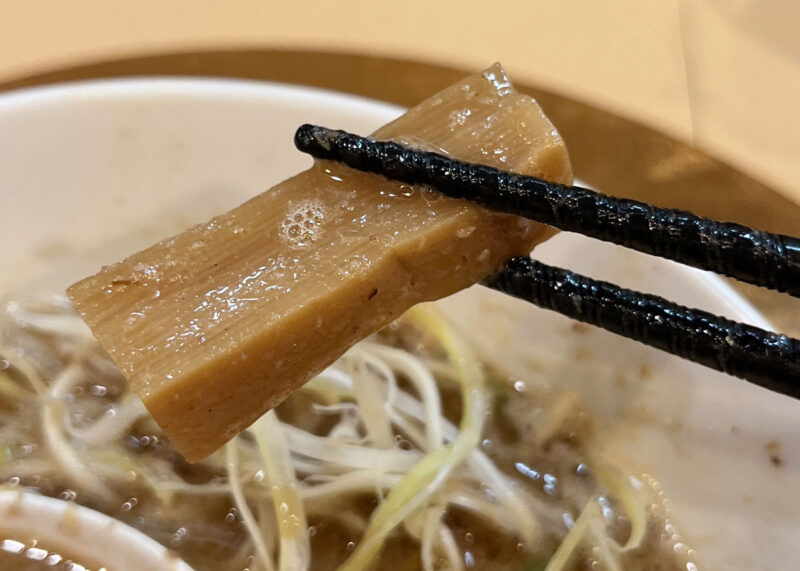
point(724, 74)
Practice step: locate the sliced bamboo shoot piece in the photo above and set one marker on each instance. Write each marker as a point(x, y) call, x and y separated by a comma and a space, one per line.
point(217, 325)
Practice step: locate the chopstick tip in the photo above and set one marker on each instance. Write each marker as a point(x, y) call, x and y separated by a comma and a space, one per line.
point(305, 137)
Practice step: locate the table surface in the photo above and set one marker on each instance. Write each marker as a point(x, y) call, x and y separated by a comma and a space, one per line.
point(721, 75)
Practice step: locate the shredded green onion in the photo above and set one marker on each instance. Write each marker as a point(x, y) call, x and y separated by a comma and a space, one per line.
point(295, 550)
point(624, 489)
point(419, 483)
point(385, 436)
point(262, 551)
point(575, 538)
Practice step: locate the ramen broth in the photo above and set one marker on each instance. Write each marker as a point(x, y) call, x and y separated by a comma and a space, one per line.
point(72, 430)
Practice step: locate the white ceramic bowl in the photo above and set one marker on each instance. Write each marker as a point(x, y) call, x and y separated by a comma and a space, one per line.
point(93, 171)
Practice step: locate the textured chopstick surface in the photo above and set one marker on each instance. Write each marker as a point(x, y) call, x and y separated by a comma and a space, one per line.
point(761, 258)
point(767, 359)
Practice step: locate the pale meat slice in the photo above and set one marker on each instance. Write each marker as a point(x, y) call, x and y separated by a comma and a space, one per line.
point(217, 325)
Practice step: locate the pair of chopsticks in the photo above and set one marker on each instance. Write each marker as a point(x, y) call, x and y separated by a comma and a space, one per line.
point(764, 358)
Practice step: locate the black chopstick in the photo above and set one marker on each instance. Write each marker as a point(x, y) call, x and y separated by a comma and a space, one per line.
point(767, 359)
point(761, 258)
